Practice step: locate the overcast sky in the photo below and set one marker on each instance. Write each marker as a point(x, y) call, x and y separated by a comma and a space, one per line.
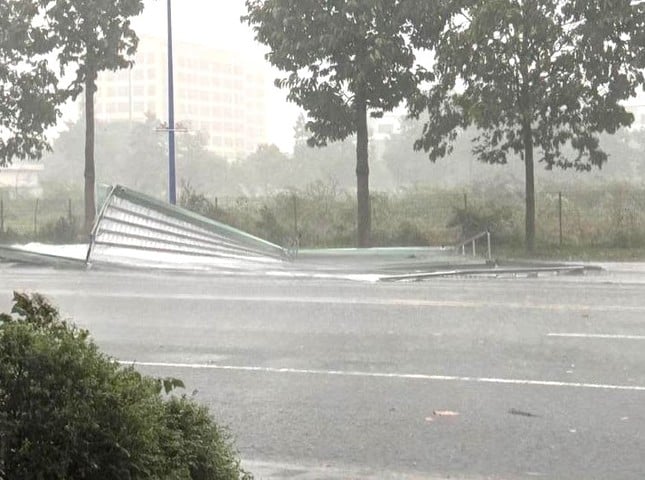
point(217, 23)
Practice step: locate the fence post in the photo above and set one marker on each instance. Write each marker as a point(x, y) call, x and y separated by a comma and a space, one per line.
point(70, 218)
point(560, 214)
point(465, 202)
point(36, 218)
point(1, 214)
point(295, 215)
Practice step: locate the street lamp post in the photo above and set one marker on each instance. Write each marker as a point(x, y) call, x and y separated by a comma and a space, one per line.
point(172, 185)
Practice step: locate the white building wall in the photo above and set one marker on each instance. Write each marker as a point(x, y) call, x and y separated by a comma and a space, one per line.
point(220, 93)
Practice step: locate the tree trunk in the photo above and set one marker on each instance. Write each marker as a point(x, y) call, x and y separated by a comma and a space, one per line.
point(530, 187)
point(90, 204)
point(364, 210)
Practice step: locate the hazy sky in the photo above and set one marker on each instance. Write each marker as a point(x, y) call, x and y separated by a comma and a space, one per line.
point(217, 23)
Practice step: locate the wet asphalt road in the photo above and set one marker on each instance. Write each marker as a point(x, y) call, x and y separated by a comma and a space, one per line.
point(448, 378)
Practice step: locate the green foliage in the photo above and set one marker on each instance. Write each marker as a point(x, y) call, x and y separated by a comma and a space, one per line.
point(534, 74)
point(200, 449)
point(197, 202)
point(560, 68)
point(92, 36)
point(499, 221)
point(64, 230)
point(342, 60)
point(29, 92)
point(334, 51)
point(68, 411)
point(9, 235)
point(272, 229)
point(608, 216)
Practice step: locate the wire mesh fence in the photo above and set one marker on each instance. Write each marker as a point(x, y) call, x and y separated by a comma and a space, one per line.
point(25, 218)
point(613, 216)
point(322, 216)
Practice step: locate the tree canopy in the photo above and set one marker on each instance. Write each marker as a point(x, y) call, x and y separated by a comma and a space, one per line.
point(342, 60)
point(534, 75)
point(29, 91)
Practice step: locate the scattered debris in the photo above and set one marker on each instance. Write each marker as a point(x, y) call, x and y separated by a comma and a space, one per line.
point(445, 413)
point(514, 411)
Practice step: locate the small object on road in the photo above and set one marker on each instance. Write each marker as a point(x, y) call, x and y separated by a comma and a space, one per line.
point(445, 413)
point(572, 430)
point(514, 411)
point(429, 419)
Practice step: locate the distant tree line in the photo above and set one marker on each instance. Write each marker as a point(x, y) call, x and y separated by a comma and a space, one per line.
point(135, 155)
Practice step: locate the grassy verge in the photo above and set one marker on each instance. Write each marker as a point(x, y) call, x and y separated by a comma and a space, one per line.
point(572, 253)
point(595, 224)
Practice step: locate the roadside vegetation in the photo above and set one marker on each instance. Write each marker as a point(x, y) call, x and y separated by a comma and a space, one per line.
point(69, 411)
point(579, 224)
point(587, 222)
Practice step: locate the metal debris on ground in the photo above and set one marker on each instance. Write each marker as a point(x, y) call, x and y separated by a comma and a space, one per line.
point(514, 411)
point(445, 413)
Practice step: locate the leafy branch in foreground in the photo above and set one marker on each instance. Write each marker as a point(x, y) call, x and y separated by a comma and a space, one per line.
point(69, 411)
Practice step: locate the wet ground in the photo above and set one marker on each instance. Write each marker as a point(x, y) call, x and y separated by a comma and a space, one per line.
point(497, 378)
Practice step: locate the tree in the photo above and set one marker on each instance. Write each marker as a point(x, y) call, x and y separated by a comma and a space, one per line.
point(29, 93)
point(343, 60)
point(533, 75)
point(92, 37)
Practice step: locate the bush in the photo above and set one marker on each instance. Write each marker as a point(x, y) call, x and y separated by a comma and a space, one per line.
point(497, 220)
point(64, 230)
point(11, 236)
point(69, 411)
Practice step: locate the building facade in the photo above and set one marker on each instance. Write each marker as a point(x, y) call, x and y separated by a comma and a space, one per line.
point(221, 93)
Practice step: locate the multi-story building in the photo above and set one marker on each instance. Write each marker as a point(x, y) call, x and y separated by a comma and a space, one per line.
point(222, 93)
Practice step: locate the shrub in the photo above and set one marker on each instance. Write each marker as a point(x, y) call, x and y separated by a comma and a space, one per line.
point(196, 202)
point(9, 236)
point(497, 220)
point(63, 230)
point(69, 411)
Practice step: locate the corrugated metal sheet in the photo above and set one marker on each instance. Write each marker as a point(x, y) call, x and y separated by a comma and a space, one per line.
point(134, 229)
